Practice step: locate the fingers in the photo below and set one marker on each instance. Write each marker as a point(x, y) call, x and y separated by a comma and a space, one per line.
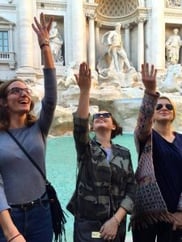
point(148, 71)
point(49, 24)
point(42, 20)
point(84, 70)
point(38, 26)
point(42, 25)
point(76, 77)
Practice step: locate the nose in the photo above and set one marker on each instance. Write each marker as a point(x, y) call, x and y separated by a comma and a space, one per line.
point(23, 92)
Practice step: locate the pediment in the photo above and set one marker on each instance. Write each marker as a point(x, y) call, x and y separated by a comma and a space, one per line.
point(4, 21)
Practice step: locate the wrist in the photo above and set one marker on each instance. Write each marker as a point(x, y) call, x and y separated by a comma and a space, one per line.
point(44, 43)
point(85, 92)
point(116, 220)
point(14, 237)
point(152, 93)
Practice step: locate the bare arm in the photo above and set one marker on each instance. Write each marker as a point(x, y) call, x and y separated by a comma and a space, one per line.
point(9, 229)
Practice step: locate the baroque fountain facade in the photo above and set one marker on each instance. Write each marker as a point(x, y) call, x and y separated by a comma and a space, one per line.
point(81, 33)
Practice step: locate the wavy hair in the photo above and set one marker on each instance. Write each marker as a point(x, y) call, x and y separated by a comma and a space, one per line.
point(4, 114)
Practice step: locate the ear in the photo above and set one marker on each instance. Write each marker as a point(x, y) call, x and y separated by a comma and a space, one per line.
point(3, 103)
point(114, 127)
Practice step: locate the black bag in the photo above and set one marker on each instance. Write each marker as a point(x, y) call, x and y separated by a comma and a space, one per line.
point(84, 229)
point(87, 230)
point(57, 213)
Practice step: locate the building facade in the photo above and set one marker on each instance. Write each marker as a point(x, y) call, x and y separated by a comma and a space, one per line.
point(145, 27)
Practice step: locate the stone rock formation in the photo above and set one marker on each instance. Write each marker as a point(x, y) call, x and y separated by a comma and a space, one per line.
point(119, 93)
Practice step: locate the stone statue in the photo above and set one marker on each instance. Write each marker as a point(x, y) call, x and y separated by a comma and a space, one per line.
point(113, 40)
point(173, 45)
point(173, 3)
point(56, 42)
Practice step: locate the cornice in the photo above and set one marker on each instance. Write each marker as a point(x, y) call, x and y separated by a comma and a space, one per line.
point(177, 12)
point(8, 7)
point(44, 4)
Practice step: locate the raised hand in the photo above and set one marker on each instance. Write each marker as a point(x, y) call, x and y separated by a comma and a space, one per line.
point(42, 29)
point(149, 77)
point(84, 77)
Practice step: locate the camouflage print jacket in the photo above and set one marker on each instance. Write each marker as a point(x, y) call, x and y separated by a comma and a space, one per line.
point(102, 186)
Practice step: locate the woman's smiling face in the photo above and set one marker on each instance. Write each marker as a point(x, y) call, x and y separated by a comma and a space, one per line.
point(18, 98)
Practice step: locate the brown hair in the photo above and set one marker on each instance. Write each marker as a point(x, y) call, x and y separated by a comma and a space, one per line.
point(118, 130)
point(4, 114)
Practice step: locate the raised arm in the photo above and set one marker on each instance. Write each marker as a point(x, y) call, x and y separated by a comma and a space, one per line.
point(144, 121)
point(84, 82)
point(42, 30)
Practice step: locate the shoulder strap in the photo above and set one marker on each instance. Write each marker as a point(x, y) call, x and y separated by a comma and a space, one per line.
point(27, 154)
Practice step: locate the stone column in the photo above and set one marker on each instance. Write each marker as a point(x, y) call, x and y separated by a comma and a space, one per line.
point(97, 40)
point(127, 39)
point(140, 42)
point(25, 33)
point(11, 39)
point(141, 3)
point(157, 34)
point(91, 43)
point(77, 30)
point(90, 13)
point(11, 48)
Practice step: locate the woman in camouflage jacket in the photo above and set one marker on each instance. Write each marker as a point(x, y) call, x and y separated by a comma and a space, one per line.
point(105, 183)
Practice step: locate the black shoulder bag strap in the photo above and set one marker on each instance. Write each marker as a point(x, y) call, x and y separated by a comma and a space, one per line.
point(27, 154)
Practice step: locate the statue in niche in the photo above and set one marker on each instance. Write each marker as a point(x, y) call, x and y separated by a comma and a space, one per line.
point(56, 43)
point(117, 56)
point(173, 3)
point(173, 45)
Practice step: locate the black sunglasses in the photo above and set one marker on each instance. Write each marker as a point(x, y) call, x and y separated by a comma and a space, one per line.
point(103, 115)
point(167, 105)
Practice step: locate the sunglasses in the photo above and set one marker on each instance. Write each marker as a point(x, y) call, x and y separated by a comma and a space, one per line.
point(101, 115)
point(19, 91)
point(168, 106)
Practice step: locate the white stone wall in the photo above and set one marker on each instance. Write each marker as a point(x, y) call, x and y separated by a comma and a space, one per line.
point(156, 22)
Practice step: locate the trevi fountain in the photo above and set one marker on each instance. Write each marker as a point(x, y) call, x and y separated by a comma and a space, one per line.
point(114, 37)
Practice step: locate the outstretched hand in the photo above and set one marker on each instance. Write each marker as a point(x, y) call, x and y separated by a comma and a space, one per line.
point(149, 78)
point(84, 77)
point(42, 29)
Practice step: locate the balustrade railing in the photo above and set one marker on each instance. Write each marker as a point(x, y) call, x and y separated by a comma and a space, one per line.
point(8, 58)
